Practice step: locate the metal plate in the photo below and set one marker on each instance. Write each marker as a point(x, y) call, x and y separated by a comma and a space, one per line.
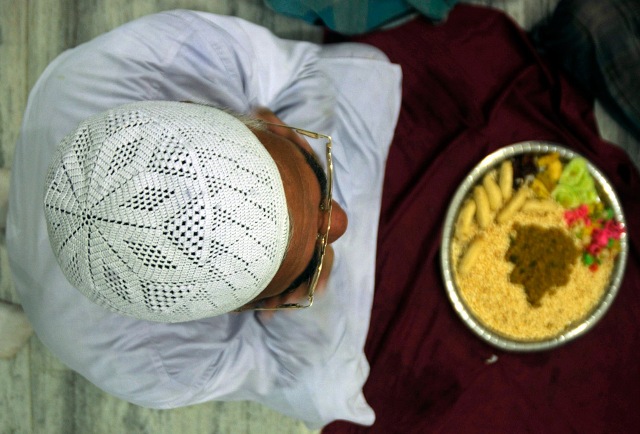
point(607, 195)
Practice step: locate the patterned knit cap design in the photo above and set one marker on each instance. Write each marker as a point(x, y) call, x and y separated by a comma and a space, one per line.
point(166, 211)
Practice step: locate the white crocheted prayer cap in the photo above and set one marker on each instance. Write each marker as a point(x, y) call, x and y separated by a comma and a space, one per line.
point(166, 211)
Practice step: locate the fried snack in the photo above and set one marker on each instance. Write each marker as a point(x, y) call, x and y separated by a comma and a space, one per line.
point(483, 210)
point(541, 206)
point(470, 256)
point(514, 204)
point(506, 179)
point(493, 191)
point(465, 219)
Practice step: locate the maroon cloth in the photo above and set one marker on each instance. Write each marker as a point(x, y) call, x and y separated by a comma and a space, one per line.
point(471, 86)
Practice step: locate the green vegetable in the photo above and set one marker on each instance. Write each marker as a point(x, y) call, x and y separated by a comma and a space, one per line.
point(576, 185)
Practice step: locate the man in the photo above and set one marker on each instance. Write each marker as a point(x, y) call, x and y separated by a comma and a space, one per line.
point(174, 212)
point(469, 87)
point(162, 213)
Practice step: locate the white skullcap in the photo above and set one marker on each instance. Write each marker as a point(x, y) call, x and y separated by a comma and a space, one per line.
point(166, 211)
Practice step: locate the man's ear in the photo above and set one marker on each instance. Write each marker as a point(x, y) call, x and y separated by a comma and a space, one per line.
point(266, 115)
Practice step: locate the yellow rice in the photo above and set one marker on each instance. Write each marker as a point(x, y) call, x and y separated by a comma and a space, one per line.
point(502, 306)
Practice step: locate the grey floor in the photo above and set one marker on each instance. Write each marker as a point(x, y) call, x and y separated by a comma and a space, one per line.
point(37, 393)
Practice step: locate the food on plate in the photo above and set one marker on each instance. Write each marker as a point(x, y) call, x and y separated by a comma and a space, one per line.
point(465, 218)
point(483, 210)
point(493, 191)
point(471, 255)
point(506, 179)
point(536, 205)
point(575, 186)
point(514, 205)
point(541, 260)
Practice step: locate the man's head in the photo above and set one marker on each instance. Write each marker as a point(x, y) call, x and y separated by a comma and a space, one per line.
point(167, 211)
point(172, 212)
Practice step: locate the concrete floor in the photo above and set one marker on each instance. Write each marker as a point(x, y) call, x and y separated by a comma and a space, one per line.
point(37, 393)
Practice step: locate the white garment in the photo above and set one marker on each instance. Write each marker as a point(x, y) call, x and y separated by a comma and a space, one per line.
point(307, 364)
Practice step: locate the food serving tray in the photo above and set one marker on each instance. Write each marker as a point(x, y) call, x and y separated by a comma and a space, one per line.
point(607, 196)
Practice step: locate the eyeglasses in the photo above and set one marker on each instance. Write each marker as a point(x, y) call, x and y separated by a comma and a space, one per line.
point(323, 235)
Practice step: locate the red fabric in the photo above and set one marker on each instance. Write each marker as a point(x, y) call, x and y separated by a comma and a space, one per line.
point(471, 86)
